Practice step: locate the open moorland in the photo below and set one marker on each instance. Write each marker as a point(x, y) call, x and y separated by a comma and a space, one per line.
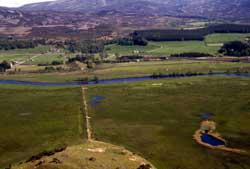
point(157, 119)
point(35, 120)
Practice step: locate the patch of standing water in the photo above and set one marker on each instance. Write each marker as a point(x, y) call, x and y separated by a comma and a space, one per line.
point(96, 100)
point(207, 138)
point(207, 115)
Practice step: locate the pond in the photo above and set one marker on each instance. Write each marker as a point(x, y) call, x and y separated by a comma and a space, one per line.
point(209, 139)
point(96, 100)
point(207, 115)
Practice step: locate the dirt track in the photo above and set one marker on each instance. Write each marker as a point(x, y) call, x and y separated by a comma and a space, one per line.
point(86, 113)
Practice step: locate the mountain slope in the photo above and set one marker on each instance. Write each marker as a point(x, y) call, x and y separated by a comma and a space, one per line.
point(232, 9)
point(67, 5)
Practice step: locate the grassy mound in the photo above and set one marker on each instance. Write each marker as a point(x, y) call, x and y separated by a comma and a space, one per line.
point(92, 155)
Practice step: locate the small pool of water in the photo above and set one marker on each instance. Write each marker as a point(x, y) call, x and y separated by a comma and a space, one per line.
point(96, 100)
point(207, 138)
point(207, 115)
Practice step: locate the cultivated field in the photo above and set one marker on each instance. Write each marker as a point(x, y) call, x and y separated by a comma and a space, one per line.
point(158, 118)
point(37, 119)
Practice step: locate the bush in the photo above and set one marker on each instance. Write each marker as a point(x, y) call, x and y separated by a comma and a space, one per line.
point(55, 62)
point(235, 48)
point(4, 66)
point(45, 153)
point(95, 79)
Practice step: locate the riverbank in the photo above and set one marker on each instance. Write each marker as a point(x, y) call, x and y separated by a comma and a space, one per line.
point(122, 80)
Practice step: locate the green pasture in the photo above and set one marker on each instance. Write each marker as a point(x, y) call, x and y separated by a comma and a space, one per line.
point(211, 45)
point(43, 55)
point(164, 48)
point(226, 37)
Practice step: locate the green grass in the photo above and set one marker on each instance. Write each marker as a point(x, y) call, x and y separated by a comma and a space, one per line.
point(21, 54)
point(222, 38)
point(164, 48)
point(35, 119)
point(47, 58)
point(158, 121)
point(43, 53)
point(36, 50)
point(210, 45)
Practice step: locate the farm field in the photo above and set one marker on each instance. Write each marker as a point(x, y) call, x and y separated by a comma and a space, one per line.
point(21, 54)
point(46, 54)
point(157, 119)
point(222, 38)
point(119, 70)
point(35, 119)
point(47, 58)
point(38, 55)
point(164, 48)
point(210, 45)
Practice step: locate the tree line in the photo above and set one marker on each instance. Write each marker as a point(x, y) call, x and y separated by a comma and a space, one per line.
point(196, 34)
point(134, 40)
point(86, 46)
point(10, 44)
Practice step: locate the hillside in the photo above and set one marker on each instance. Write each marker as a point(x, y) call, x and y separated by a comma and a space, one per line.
point(106, 23)
point(233, 9)
point(106, 19)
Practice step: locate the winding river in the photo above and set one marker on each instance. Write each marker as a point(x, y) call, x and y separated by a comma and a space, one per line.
point(115, 81)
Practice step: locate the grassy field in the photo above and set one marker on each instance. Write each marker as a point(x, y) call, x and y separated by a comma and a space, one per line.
point(158, 118)
point(43, 55)
point(38, 119)
point(21, 54)
point(108, 71)
point(164, 48)
point(210, 45)
point(222, 38)
point(47, 58)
